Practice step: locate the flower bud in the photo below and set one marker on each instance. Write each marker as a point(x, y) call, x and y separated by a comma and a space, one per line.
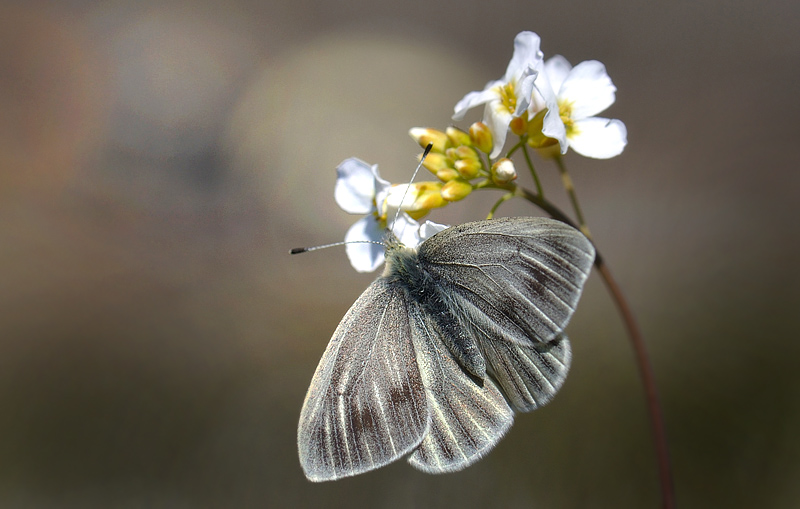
point(456, 189)
point(417, 199)
point(447, 174)
point(503, 171)
point(536, 137)
point(457, 136)
point(519, 125)
point(434, 162)
point(424, 135)
point(481, 137)
point(468, 168)
point(465, 152)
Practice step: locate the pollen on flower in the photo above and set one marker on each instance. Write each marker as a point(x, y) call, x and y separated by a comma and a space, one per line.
point(565, 113)
point(507, 97)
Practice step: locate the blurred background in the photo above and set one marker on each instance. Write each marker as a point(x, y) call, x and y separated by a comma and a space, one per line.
point(159, 159)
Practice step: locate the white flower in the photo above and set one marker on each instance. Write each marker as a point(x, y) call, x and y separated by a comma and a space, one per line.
point(510, 96)
point(360, 190)
point(578, 93)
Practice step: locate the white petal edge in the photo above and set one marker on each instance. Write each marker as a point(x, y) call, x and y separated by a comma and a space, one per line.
point(557, 69)
point(600, 138)
point(365, 257)
point(524, 90)
point(589, 88)
point(406, 230)
point(473, 99)
point(526, 53)
point(355, 186)
point(552, 125)
point(497, 118)
point(429, 229)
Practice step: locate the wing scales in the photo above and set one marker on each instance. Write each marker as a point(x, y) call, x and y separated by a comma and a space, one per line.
point(468, 416)
point(524, 273)
point(366, 405)
point(515, 282)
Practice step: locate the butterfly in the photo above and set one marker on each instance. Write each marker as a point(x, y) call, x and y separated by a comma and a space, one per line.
point(437, 354)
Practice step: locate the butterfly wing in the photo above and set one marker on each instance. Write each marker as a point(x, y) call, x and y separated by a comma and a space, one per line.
point(468, 416)
point(366, 405)
point(529, 376)
point(515, 283)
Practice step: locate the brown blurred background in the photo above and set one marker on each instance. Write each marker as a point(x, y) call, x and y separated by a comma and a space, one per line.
point(158, 160)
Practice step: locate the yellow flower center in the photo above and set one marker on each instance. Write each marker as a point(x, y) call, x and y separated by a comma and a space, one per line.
point(565, 112)
point(508, 97)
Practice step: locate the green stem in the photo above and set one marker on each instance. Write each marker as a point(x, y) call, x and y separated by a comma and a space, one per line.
point(642, 359)
point(528, 160)
point(573, 196)
point(519, 144)
point(502, 200)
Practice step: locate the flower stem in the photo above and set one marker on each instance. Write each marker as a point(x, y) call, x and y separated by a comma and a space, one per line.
point(642, 359)
point(573, 196)
point(528, 160)
point(499, 202)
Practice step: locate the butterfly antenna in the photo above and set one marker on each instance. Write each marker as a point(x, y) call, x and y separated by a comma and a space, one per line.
point(416, 170)
point(298, 250)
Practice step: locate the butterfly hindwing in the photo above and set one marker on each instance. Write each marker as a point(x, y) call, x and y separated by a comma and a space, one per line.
point(366, 405)
point(529, 376)
point(468, 416)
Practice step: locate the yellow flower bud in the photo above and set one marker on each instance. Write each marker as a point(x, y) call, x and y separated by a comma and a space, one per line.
point(429, 196)
point(435, 162)
point(447, 174)
point(519, 125)
point(456, 189)
point(417, 198)
point(424, 135)
point(468, 168)
point(503, 171)
point(465, 152)
point(536, 137)
point(481, 137)
point(457, 136)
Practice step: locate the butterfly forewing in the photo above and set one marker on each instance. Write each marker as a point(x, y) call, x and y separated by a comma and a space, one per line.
point(524, 274)
point(366, 405)
point(468, 416)
point(515, 283)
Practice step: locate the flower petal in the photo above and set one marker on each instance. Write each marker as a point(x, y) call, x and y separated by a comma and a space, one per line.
point(429, 229)
point(476, 98)
point(552, 125)
point(588, 88)
point(524, 89)
point(599, 138)
point(399, 196)
point(355, 186)
point(497, 118)
point(365, 257)
point(557, 69)
point(526, 53)
point(406, 230)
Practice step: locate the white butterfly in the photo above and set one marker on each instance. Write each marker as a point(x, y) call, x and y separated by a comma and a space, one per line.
point(435, 356)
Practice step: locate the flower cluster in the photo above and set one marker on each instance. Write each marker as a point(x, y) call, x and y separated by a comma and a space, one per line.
point(549, 105)
point(558, 108)
point(361, 190)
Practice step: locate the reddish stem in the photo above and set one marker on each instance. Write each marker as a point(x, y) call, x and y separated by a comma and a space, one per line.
point(642, 359)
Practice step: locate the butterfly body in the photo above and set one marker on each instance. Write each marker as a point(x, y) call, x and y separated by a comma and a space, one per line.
point(437, 354)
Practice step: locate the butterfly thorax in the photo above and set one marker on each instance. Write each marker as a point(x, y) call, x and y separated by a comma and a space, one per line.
point(406, 270)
